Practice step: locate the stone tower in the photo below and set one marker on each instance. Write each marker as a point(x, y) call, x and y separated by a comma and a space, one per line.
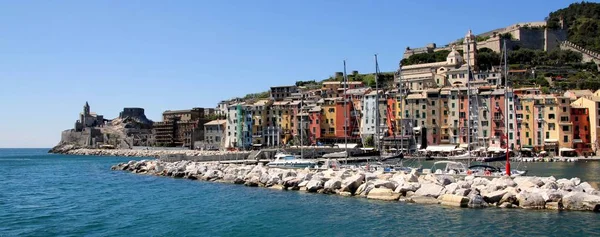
point(470, 46)
point(86, 109)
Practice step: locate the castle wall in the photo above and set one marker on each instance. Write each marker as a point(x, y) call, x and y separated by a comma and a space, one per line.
point(554, 38)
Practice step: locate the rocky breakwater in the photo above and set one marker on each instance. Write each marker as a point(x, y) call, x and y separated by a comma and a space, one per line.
point(151, 153)
point(472, 192)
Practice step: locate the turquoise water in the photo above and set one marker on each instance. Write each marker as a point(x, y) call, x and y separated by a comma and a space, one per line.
point(55, 195)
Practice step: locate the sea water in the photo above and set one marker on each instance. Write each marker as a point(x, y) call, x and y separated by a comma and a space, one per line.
point(56, 195)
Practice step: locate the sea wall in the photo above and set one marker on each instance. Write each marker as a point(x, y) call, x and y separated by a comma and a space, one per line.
point(172, 154)
point(472, 192)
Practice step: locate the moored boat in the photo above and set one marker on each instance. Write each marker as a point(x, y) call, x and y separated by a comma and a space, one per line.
point(290, 162)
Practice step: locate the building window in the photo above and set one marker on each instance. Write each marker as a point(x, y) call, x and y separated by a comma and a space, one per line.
point(565, 128)
point(566, 139)
point(526, 134)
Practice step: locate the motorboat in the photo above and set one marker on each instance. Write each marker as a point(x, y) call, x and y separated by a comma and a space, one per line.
point(353, 153)
point(289, 161)
point(488, 170)
point(460, 169)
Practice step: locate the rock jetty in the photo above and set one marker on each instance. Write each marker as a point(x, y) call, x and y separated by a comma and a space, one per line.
point(413, 187)
point(144, 153)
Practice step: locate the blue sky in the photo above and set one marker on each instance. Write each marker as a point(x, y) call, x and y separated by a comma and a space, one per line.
point(159, 55)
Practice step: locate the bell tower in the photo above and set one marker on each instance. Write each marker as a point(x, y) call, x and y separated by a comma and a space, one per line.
point(86, 109)
point(470, 50)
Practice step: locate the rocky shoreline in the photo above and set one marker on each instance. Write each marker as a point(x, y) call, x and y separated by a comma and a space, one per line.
point(74, 150)
point(472, 192)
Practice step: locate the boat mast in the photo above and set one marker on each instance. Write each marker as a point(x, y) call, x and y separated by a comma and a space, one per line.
point(401, 86)
point(377, 122)
point(301, 125)
point(468, 99)
point(345, 114)
point(506, 106)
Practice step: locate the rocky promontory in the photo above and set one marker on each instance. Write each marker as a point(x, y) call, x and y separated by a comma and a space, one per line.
point(469, 191)
point(75, 150)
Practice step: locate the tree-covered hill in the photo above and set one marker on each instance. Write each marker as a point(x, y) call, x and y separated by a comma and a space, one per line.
point(582, 21)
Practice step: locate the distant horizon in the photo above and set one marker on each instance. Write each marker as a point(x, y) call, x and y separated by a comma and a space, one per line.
point(168, 56)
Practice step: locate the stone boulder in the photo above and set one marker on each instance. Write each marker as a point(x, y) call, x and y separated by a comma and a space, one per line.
point(584, 187)
point(430, 190)
point(253, 181)
point(424, 200)
point(333, 184)
point(495, 196)
point(352, 183)
point(463, 184)
point(383, 194)
point(451, 188)
point(314, 185)
point(378, 183)
point(406, 187)
point(530, 200)
point(445, 179)
point(462, 192)
point(480, 182)
point(454, 200)
point(526, 182)
point(476, 201)
point(580, 201)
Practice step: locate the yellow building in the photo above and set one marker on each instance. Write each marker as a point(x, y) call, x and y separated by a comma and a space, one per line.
point(527, 128)
point(329, 118)
point(260, 122)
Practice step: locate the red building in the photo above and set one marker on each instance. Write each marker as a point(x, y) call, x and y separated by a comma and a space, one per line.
point(315, 117)
point(581, 130)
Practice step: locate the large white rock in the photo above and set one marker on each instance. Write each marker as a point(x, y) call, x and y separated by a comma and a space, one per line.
point(413, 176)
point(580, 201)
point(480, 182)
point(430, 190)
point(550, 185)
point(476, 201)
point(525, 182)
point(454, 200)
point(445, 180)
point(383, 194)
point(428, 178)
point(462, 192)
point(530, 200)
point(495, 196)
point(384, 184)
point(333, 184)
point(314, 185)
point(406, 187)
point(551, 195)
point(464, 184)
point(576, 181)
point(584, 187)
point(370, 177)
point(451, 188)
point(352, 183)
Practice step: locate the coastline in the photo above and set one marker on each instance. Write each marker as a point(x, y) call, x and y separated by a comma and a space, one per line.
point(73, 150)
point(473, 192)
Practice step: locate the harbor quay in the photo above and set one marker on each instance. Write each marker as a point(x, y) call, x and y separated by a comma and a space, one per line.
point(525, 192)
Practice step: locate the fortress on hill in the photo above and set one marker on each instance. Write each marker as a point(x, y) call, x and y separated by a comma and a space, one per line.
point(531, 35)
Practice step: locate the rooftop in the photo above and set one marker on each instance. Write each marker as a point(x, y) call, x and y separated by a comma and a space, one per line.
point(216, 122)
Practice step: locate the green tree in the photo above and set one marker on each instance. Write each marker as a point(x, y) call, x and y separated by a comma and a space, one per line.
point(487, 58)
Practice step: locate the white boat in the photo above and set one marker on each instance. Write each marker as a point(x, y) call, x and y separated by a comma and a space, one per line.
point(459, 169)
point(289, 161)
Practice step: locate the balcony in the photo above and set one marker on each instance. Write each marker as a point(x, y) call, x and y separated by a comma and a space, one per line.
point(255, 135)
point(498, 118)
